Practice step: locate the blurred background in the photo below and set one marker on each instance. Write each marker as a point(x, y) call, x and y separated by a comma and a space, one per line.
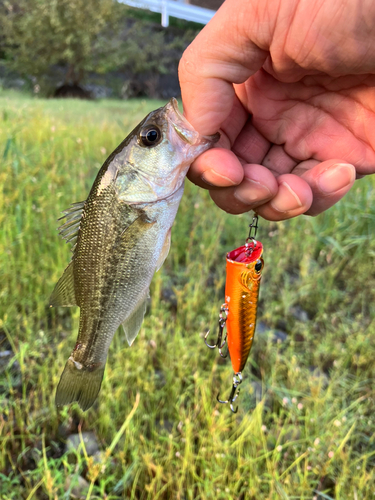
point(76, 76)
point(100, 48)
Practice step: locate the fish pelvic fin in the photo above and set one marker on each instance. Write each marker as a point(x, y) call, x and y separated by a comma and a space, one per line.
point(165, 250)
point(132, 325)
point(64, 293)
point(79, 383)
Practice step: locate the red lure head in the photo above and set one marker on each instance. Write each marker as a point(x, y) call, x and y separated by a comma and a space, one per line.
point(246, 254)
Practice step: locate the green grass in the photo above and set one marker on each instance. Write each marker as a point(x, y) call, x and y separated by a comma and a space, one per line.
point(160, 429)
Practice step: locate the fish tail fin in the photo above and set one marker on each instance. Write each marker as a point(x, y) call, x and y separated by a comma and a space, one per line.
point(78, 383)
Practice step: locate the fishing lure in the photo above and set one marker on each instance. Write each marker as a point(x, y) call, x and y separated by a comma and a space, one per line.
point(239, 312)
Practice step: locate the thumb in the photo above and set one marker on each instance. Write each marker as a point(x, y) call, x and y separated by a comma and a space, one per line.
point(222, 55)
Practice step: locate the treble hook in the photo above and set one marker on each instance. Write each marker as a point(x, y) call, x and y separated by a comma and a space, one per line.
point(220, 343)
point(234, 393)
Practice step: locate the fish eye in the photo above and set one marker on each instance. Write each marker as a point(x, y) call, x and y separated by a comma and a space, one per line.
point(150, 136)
point(258, 266)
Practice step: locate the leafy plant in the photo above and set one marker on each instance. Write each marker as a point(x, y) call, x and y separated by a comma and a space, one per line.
point(40, 34)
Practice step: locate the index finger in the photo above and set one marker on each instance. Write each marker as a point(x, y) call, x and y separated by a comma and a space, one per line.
point(221, 55)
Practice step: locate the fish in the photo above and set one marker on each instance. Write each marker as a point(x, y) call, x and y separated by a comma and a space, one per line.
point(238, 314)
point(120, 237)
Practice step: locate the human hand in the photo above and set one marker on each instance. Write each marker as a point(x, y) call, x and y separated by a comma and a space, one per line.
point(291, 86)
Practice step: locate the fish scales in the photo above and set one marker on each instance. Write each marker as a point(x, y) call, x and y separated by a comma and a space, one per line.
point(122, 238)
point(115, 262)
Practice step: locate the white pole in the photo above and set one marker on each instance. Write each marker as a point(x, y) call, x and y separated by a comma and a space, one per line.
point(164, 14)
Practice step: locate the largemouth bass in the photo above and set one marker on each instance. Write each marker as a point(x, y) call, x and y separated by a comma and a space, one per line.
point(120, 237)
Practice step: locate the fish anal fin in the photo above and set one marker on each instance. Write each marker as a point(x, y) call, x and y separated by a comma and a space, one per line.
point(79, 383)
point(132, 325)
point(64, 293)
point(165, 250)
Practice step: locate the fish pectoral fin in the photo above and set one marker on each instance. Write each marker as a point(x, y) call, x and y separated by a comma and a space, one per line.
point(79, 383)
point(164, 251)
point(132, 325)
point(137, 225)
point(64, 293)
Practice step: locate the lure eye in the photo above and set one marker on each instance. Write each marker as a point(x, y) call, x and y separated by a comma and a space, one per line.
point(258, 266)
point(150, 136)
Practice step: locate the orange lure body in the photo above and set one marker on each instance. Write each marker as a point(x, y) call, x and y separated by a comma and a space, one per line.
point(238, 314)
point(244, 266)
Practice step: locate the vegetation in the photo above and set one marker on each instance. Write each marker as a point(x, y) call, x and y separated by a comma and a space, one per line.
point(40, 33)
point(305, 425)
point(68, 43)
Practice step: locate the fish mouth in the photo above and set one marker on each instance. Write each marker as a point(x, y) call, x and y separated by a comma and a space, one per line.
point(186, 131)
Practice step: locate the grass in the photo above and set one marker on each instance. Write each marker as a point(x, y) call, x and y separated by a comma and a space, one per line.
point(305, 425)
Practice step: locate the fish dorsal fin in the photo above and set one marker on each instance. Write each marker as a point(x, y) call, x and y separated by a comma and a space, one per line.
point(164, 251)
point(64, 293)
point(72, 216)
point(132, 325)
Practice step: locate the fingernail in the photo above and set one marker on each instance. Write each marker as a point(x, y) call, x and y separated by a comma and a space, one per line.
point(286, 199)
point(336, 177)
point(215, 179)
point(249, 192)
